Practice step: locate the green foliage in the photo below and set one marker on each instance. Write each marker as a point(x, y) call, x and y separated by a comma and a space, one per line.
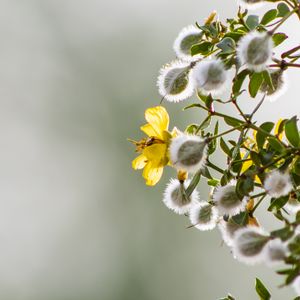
point(251, 151)
point(261, 290)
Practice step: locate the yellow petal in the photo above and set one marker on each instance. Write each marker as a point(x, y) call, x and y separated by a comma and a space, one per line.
point(158, 118)
point(152, 173)
point(277, 127)
point(246, 165)
point(139, 162)
point(156, 153)
point(148, 129)
point(257, 180)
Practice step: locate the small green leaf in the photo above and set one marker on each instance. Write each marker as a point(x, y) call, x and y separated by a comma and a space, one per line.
point(255, 158)
point(261, 136)
point(261, 290)
point(202, 48)
point(269, 16)
point(284, 233)
point(283, 9)
point(256, 81)
point(213, 182)
point(193, 183)
point(241, 218)
point(252, 22)
point(278, 203)
point(279, 38)
point(227, 45)
point(238, 81)
point(192, 128)
point(275, 144)
point(224, 147)
point(231, 121)
point(268, 79)
point(291, 131)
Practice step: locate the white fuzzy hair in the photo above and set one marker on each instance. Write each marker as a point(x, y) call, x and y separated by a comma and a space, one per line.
point(242, 50)
point(240, 240)
point(278, 184)
point(173, 205)
point(185, 32)
point(176, 144)
point(214, 84)
point(195, 220)
point(218, 195)
point(164, 71)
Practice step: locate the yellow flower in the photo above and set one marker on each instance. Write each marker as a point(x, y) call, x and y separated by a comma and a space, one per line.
point(154, 149)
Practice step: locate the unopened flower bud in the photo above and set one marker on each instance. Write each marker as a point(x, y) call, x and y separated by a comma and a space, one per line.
point(248, 245)
point(203, 216)
point(279, 84)
point(188, 152)
point(255, 50)
point(227, 201)
point(227, 229)
point(296, 285)
point(187, 37)
point(278, 184)
point(210, 76)
point(251, 4)
point(175, 82)
point(176, 199)
point(275, 252)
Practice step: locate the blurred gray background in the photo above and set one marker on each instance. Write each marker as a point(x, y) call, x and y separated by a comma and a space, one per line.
point(76, 222)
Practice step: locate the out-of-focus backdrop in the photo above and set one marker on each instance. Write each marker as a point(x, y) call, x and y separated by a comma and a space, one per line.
point(76, 222)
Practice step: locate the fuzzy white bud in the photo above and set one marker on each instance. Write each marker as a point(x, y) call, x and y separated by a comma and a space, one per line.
point(210, 76)
point(203, 216)
point(251, 4)
point(296, 285)
point(279, 81)
point(175, 82)
point(248, 245)
point(275, 252)
point(228, 229)
point(176, 199)
point(255, 50)
point(188, 152)
point(278, 184)
point(227, 201)
point(187, 37)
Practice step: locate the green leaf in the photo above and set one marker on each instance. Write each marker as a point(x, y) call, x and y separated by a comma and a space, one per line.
point(279, 38)
point(284, 234)
point(261, 290)
point(227, 45)
point(278, 203)
point(244, 186)
point(255, 158)
point(268, 79)
point(241, 218)
point(192, 128)
point(269, 16)
point(260, 136)
point(224, 147)
point(238, 81)
point(256, 81)
point(213, 182)
point(283, 9)
point(193, 184)
point(252, 22)
point(202, 48)
point(275, 144)
point(291, 131)
point(231, 121)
